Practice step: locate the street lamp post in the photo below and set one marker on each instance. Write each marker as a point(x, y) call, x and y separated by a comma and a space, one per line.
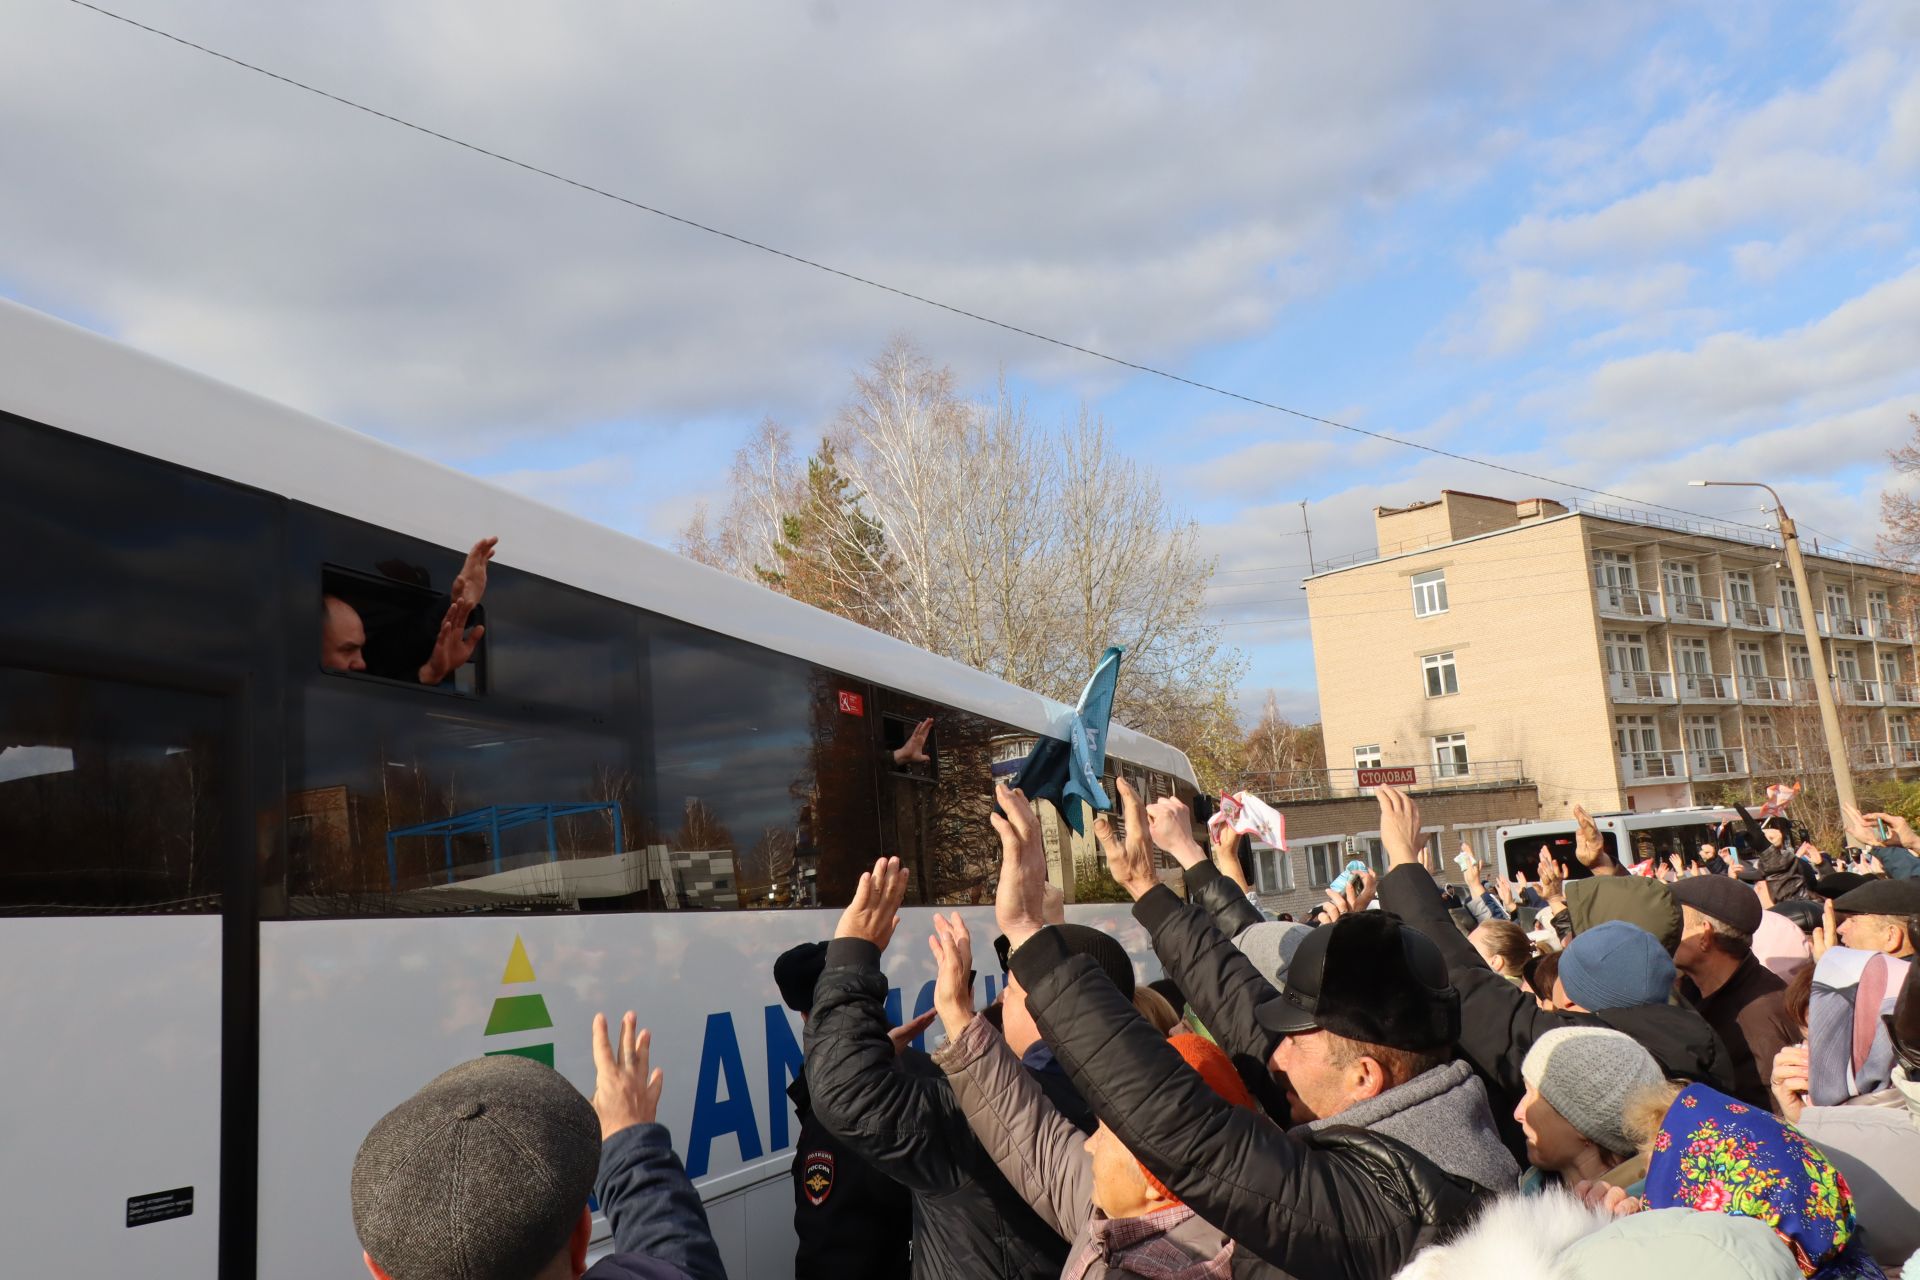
point(1823, 684)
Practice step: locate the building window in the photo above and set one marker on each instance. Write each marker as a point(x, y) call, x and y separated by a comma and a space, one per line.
point(1479, 840)
point(1636, 735)
point(1799, 662)
point(1740, 587)
point(1703, 733)
point(1272, 871)
point(1889, 671)
point(1846, 664)
point(1367, 757)
point(1877, 607)
point(1839, 603)
point(1682, 578)
point(1324, 859)
point(1789, 606)
point(1613, 569)
point(1440, 675)
point(1692, 656)
point(1429, 593)
point(1450, 755)
point(1750, 658)
point(1626, 651)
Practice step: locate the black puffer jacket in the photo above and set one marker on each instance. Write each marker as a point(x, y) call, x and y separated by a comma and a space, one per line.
point(903, 1119)
point(1340, 1202)
point(1499, 1022)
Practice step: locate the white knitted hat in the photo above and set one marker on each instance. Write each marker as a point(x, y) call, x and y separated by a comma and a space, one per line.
point(1588, 1074)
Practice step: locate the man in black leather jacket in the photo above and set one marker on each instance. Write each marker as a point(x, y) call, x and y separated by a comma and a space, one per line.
point(1365, 1027)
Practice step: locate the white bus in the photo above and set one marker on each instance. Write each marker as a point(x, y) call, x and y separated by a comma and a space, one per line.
point(248, 904)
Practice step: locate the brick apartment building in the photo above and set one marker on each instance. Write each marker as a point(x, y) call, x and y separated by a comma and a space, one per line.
point(1624, 661)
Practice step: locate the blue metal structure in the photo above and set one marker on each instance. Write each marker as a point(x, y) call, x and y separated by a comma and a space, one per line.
point(491, 821)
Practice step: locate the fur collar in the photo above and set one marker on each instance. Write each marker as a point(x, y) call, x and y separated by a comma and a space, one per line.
point(1515, 1238)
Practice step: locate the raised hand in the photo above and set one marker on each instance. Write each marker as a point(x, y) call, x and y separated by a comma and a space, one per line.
point(453, 645)
point(1226, 856)
point(1170, 825)
point(471, 582)
point(1859, 834)
point(1470, 870)
point(1588, 846)
point(1019, 904)
point(1789, 1083)
point(907, 1032)
point(914, 749)
point(1552, 878)
point(625, 1092)
point(1901, 830)
point(1827, 936)
point(1399, 825)
point(1129, 861)
point(874, 913)
point(953, 973)
point(1354, 898)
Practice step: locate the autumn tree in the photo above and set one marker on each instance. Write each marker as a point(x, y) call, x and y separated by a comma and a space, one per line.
point(971, 529)
point(1277, 746)
point(1900, 511)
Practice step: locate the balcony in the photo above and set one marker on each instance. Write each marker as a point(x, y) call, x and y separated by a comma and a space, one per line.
point(1857, 693)
point(1640, 686)
point(1652, 766)
point(1844, 626)
point(1752, 616)
point(1905, 754)
point(1803, 690)
point(1770, 759)
point(1890, 629)
point(1701, 609)
point(1790, 621)
point(1767, 689)
point(1870, 755)
point(1706, 764)
point(1703, 686)
point(1624, 602)
point(1900, 693)
point(1333, 784)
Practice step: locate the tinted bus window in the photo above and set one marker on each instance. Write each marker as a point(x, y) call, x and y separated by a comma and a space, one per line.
point(112, 795)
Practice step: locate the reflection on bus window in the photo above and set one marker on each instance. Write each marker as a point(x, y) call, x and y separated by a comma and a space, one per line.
point(112, 795)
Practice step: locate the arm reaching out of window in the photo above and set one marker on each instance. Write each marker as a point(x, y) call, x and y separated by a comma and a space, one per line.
point(455, 643)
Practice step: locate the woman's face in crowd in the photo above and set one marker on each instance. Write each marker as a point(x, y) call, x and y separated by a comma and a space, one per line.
point(1552, 1143)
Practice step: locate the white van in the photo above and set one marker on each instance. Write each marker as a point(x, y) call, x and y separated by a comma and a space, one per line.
point(1663, 831)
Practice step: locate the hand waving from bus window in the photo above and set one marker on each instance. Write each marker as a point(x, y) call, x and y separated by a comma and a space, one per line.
point(625, 1092)
point(453, 646)
point(914, 749)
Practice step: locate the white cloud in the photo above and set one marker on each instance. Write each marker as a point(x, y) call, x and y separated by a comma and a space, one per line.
point(1512, 312)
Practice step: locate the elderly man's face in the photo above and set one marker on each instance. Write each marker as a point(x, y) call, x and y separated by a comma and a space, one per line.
point(343, 638)
point(1874, 933)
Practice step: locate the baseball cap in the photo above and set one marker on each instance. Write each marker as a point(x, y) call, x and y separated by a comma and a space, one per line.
point(1367, 977)
point(483, 1173)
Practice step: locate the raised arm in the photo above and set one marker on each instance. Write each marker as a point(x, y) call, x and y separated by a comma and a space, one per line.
point(1042, 1154)
point(649, 1201)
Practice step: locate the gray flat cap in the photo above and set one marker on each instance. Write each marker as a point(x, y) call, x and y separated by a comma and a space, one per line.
point(479, 1176)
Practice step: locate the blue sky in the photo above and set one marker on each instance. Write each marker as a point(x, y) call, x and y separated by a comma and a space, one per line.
point(1616, 245)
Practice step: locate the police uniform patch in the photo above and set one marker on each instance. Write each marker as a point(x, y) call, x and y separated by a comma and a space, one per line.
point(816, 1175)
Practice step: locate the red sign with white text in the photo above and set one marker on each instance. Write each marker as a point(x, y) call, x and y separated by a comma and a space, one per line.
point(1397, 776)
point(852, 703)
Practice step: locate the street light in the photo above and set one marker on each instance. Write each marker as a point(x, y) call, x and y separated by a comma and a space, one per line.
point(1822, 685)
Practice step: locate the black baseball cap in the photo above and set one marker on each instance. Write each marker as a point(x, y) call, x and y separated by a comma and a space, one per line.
point(1368, 977)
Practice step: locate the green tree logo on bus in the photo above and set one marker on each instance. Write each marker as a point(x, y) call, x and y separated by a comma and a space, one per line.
point(513, 1015)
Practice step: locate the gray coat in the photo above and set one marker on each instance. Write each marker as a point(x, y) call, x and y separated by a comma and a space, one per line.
point(1043, 1155)
point(1875, 1143)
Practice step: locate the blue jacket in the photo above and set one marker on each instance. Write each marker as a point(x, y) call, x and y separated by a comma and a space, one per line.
point(660, 1229)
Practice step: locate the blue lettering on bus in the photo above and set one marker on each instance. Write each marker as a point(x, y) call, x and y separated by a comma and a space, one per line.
point(921, 1004)
point(713, 1116)
point(783, 1065)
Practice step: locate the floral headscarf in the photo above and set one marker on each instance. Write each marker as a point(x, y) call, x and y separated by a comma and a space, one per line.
point(1716, 1155)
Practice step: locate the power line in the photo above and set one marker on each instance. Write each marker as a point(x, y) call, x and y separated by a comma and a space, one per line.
point(870, 283)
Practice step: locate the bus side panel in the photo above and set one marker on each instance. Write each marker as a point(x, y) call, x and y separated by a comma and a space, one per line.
point(111, 1076)
point(357, 1014)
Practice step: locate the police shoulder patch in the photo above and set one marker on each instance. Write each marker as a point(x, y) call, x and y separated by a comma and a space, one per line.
point(816, 1176)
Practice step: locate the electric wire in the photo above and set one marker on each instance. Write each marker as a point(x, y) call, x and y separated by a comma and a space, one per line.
point(854, 277)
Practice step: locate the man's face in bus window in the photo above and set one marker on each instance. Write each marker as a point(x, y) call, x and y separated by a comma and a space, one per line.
point(342, 637)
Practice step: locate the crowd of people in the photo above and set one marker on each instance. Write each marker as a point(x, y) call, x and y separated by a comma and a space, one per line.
point(1710, 1068)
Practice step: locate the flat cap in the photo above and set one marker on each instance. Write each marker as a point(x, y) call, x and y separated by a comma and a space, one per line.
point(481, 1175)
point(1723, 898)
point(1881, 898)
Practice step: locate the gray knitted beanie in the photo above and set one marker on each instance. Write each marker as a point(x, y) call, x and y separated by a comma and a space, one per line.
point(1270, 945)
point(1588, 1075)
point(482, 1175)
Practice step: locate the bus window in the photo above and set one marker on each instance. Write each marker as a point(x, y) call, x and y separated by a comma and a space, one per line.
point(387, 626)
point(112, 795)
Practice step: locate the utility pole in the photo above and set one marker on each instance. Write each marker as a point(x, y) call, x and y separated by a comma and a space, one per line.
point(1308, 530)
point(1823, 678)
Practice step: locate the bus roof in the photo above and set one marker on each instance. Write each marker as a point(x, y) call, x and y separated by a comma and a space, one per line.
point(67, 377)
